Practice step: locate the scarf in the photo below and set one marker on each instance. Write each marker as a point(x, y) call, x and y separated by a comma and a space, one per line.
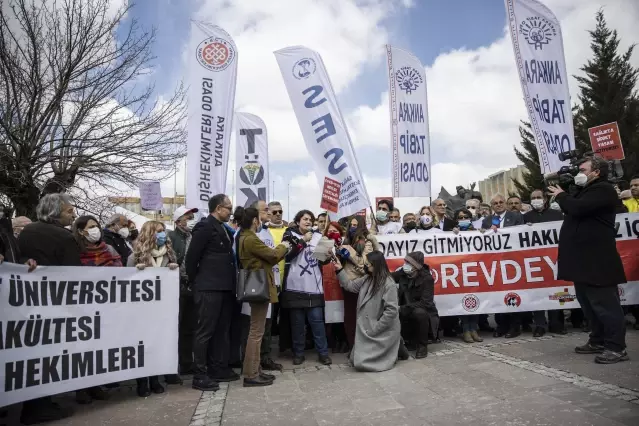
point(100, 255)
point(157, 255)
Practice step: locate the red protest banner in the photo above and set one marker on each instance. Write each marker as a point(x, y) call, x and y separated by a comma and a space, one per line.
point(605, 141)
point(362, 212)
point(330, 195)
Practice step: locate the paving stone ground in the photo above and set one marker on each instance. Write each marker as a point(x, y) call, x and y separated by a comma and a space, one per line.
point(524, 381)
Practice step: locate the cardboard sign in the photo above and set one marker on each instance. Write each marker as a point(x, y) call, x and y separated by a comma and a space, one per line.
point(605, 141)
point(330, 195)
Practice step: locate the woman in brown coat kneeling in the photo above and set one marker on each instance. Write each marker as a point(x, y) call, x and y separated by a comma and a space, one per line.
point(253, 254)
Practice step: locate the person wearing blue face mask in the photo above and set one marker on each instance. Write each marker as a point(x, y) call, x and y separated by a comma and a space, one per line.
point(152, 249)
point(383, 224)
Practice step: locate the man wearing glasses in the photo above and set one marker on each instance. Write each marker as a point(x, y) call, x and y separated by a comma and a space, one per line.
point(210, 265)
point(443, 222)
point(508, 325)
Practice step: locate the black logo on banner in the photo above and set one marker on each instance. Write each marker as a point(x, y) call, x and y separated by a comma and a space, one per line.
point(408, 79)
point(537, 31)
point(304, 68)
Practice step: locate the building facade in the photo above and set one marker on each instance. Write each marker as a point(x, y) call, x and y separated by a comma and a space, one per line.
point(501, 183)
point(169, 204)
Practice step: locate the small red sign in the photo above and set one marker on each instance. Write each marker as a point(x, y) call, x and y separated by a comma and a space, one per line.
point(605, 141)
point(330, 195)
point(362, 212)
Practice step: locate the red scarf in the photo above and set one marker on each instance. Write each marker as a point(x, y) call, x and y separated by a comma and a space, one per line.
point(100, 256)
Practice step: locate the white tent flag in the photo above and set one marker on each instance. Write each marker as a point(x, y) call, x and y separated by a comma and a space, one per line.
point(213, 73)
point(539, 53)
point(322, 125)
point(410, 142)
point(251, 159)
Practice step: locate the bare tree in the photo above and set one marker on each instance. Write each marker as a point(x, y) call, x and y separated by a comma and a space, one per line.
point(73, 105)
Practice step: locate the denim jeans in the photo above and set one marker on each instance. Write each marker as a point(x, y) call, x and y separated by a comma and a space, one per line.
point(470, 323)
point(298, 328)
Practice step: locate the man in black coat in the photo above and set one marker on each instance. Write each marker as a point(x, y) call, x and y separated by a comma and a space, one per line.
point(210, 265)
point(588, 257)
point(541, 213)
point(508, 325)
point(417, 311)
point(443, 221)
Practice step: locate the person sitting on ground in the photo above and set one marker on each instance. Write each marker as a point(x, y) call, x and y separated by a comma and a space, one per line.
point(152, 249)
point(378, 334)
point(417, 311)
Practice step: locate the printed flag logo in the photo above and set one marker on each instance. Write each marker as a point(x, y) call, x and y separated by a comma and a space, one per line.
point(563, 297)
point(215, 54)
point(304, 68)
point(470, 302)
point(537, 31)
point(408, 79)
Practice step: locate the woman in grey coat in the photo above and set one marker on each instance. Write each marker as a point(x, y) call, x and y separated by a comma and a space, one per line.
point(378, 332)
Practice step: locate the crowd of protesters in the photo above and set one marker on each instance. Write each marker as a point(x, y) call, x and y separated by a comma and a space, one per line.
point(386, 313)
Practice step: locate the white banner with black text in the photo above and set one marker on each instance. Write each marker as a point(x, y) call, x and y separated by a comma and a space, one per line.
point(251, 160)
point(539, 54)
point(67, 328)
point(323, 126)
point(408, 105)
point(212, 77)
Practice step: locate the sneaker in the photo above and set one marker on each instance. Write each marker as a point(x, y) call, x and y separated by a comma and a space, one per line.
point(589, 348)
point(611, 357)
point(258, 381)
point(173, 379)
point(325, 360)
point(270, 365)
point(205, 384)
point(422, 352)
point(43, 410)
point(298, 360)
point(539, 331)
point(476, 336)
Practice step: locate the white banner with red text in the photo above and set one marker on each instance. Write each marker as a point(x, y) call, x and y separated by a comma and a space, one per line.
point(511, 270)
point(212, 77)
point(65, 328)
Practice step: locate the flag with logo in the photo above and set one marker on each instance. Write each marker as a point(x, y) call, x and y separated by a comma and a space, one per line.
point(251, 160)
point(408, 107)
point(539, 54)
point(212, 77)
point(322, 125)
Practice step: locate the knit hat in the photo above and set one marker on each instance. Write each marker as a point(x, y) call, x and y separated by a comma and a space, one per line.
point(416, 259)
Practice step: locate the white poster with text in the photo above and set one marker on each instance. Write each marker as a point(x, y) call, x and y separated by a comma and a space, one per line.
point(322, 125)
point(539, 54)
point(67, 328)
point(408, 107)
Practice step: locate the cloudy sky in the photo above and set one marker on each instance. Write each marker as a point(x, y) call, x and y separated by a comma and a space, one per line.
point(475, 99)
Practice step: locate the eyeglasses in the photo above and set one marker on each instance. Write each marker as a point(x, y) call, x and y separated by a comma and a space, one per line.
point(440, 205)
point(230, 208)
point(277, 211)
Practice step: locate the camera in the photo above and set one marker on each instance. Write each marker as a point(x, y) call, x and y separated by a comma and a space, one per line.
point(292, 239)
point(565, 176)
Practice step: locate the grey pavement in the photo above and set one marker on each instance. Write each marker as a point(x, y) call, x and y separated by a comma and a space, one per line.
point(523, 381)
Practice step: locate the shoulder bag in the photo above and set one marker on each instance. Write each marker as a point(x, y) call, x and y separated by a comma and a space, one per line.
point(252, 284)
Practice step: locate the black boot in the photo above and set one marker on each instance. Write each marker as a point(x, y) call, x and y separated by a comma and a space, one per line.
point(258, 381)
point(43, 410)
point(143, 387)
point(422, 352)
point(156, 387)
point(173, 379)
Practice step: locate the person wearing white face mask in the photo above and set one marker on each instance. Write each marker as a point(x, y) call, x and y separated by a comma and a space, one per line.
point(383, 224)
point(184, 221)
point(588, 257)
point(115, 234)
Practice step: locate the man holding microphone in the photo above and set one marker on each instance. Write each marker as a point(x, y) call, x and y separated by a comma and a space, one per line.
point(588, 257)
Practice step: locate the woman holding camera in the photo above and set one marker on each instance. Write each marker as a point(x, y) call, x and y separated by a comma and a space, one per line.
point(253, 254)
point(303, 291)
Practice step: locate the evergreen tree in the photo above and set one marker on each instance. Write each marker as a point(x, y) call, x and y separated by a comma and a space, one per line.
point(532, 177)
point(608, 93)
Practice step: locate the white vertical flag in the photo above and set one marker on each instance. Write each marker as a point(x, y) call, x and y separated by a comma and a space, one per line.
point(322, 125)
point(213, 73)
point(410, 142)
point(251, 160)
point(539, 53)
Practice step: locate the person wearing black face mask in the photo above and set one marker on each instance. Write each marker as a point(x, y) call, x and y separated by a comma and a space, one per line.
point(410, 223)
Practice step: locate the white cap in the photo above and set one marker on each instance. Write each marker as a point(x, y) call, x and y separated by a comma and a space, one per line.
point(181, 211)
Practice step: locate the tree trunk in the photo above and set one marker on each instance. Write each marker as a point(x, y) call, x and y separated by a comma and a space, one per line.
point(26, 200)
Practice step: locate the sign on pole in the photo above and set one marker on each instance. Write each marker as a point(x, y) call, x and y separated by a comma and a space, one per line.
point(251, 158)
point(606, 141)
point(151, 195)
